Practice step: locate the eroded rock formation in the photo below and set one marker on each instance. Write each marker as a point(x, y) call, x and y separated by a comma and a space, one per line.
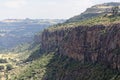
point(95, 44)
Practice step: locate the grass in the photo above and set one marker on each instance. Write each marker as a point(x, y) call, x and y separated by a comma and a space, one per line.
point(36, 70)
point(11, 60)
point(15, 58)
point(100, 20)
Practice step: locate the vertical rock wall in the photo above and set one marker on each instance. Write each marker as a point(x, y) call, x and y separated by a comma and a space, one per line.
point(95, 44)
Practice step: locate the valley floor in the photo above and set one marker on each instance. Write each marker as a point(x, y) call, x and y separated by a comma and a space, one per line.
point(54, 67)
point(12, 59)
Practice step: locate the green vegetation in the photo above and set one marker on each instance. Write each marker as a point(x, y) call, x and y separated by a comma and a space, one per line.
point(32, 64)
point(115, 10)
point(9, 67)
point(2, 67)
point(12, 61)
point(100, 20)
point(21, 48)
point(34, 53)
point(83, 17)
point(3, 61)
point(97, 10)
point(37, 69)
point(51, 66)
point(56, 67)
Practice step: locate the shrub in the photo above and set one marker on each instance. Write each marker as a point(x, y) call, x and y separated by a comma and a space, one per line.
point(9, 67)
point(1, 67)
point(3, 61)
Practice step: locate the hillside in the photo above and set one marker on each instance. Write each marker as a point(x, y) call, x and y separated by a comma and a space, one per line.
point(14, 32)
point(55, 67)
point(97, 43)
point(94, 11)
point(87, 50)
point(100, 20)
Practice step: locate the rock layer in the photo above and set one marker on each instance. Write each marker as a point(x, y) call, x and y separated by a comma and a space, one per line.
point(94, 44)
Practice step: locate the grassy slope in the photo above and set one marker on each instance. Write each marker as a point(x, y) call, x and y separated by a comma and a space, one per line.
point(36, 69)
point(55, 67)
point(101, 20)
point(16, 57)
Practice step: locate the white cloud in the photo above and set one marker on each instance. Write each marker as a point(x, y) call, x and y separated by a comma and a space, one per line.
point(45, 8)
point(15, 3)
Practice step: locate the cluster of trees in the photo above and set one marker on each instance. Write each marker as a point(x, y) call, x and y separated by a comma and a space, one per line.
point(115, 10)
point(3, 61)
point(1, 67)
point(8, 67)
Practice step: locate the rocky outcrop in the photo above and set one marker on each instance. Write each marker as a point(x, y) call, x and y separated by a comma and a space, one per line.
point(94, 11)
point(94, 44)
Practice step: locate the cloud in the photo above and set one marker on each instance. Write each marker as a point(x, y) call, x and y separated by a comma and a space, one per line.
point(15, 3)
point(45, 8)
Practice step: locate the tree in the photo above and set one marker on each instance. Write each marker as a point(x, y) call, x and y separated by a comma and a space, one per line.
point(115, 10)
point(1, 67)
point(3, 61)
point(9, 67)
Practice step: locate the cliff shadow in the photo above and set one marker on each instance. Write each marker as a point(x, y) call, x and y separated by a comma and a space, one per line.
point(64, 68)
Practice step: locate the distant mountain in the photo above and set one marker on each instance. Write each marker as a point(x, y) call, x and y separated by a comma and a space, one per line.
point(94, 11)
point(17, 31)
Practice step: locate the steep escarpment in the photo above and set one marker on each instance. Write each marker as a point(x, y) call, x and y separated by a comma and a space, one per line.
point(93, 44)
point(88, 50)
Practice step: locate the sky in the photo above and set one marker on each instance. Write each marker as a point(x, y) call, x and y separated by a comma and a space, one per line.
point(45, 9)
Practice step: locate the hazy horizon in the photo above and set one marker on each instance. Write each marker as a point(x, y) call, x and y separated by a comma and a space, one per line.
point(45, 9)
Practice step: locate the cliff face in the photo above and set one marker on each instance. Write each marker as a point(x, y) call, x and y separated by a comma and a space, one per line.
point(95, 44)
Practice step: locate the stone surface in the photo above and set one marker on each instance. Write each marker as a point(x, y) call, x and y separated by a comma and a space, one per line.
point(95, 44)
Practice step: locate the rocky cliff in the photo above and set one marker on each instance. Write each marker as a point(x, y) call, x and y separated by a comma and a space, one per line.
point(94, 44)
